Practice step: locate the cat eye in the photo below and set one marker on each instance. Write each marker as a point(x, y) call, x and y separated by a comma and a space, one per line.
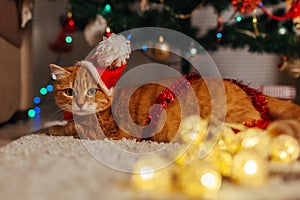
point(92, 91)
point(69, 91)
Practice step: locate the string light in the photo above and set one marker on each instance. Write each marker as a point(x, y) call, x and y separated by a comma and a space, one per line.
point(49, 88)
point(282, 30)
point(107, 8)
point(34, 112)
point(31, 113)
point(284, 148)
point(219, 35)
point(238, 19)
point(36, 100)
point(144, 47)
point(68, 39)
point(37, 110)
point(43, 91)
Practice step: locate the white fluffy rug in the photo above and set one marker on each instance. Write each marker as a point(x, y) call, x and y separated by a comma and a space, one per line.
point(45, 167)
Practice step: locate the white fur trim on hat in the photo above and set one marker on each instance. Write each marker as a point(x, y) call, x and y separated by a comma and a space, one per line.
point(113, 51)
point(89, 66)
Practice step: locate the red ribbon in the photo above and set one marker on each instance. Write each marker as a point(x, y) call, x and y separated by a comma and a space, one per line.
point(260, 103)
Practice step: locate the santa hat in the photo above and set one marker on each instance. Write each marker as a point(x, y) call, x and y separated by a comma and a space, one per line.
point(110, 57)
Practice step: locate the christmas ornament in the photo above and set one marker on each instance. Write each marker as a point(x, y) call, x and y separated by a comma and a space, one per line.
point(245, 6)
point(249, 168)
point(152, 173)
point(94, 31)
point(284, 148)
point(200, 179)
point(161, 50)
point(291, 65)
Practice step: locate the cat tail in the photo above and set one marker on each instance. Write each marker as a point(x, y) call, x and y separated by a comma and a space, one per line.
point(285, 116)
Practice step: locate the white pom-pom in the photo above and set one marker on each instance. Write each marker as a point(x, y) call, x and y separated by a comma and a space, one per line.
point(113, 51)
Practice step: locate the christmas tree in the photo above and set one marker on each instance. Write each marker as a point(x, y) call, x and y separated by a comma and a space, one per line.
point(254, 25)
point(268, 26)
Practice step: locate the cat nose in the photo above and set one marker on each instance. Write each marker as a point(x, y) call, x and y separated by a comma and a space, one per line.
point(80, 105)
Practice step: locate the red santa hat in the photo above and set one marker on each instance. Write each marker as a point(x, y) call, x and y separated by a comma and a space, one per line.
point(110, 58)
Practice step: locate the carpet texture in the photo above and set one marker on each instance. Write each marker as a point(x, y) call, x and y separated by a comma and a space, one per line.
point(45, 167)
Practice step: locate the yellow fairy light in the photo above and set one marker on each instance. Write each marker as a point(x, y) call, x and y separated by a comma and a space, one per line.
point(193, 129)
point(229, 141)
point(69, 14)
point(221, 160)
point(284, 148)
point(200, 179)
point(186, 155)
point(249, 168)
point(256, 139)
point(152, 173)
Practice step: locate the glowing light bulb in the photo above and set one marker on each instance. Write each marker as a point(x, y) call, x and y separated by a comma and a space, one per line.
point(193, 51)
point(209, 180)
point(284, 148)
point(68, 39)
point(69, 14)
point(250, 167)
point(107, 8)
point(144, 47)
point(238, 19)
point(37, 100)
point(37, 110)
point(146, 172)
point(31, 113)
point(219, 35)
point(150, 175)
point(49, 88)
point(43, 91)
point(282, 31)
point(71, 22)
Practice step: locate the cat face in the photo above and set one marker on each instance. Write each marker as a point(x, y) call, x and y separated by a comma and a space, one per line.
point(77, 91)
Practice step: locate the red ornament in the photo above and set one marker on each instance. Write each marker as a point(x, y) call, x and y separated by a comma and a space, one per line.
point(69, 25)
point(245, 6)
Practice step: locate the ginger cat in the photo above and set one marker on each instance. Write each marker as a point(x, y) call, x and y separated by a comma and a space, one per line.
point(77, 92)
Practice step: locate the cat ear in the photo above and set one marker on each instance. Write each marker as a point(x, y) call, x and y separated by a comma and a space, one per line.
point(58, 71)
